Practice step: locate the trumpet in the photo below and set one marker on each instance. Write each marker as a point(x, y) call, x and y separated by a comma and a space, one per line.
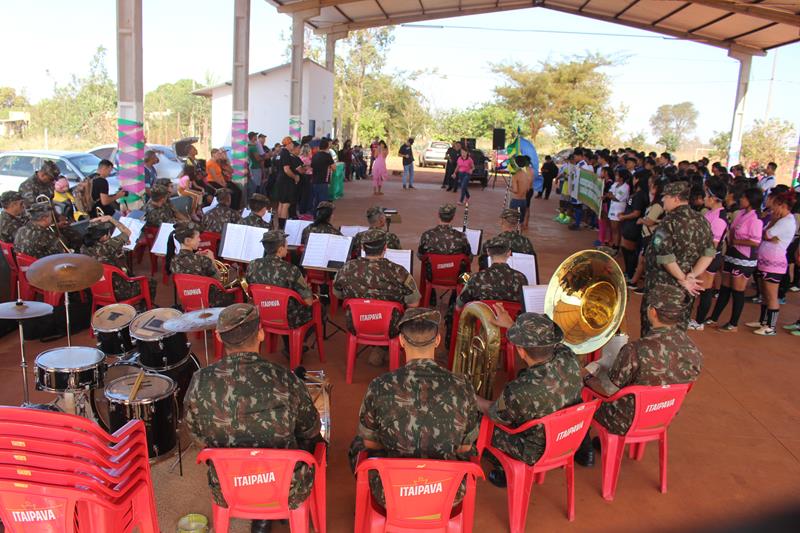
point(53, 227)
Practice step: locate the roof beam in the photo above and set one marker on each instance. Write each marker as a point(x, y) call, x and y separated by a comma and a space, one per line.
point(302, 5)
point(754, 10)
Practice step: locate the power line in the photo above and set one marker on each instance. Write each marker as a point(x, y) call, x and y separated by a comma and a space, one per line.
point(523, 30)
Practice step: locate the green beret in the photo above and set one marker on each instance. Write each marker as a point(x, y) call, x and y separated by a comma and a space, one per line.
point(420, 313)
point(670, 301)
point(9, 197)
point(237, 323)
point(532, 330)
point(274, 236)
point(510, 215)
point(679, 189)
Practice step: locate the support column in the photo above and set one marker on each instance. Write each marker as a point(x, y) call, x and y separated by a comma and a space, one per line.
point(240, 89)
point(737, 127)
point(130, 97)
point(296, 86)
point(330, 49)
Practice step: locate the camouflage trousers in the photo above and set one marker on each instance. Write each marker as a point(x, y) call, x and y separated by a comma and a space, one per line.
point(300, 489)
point(617, 416)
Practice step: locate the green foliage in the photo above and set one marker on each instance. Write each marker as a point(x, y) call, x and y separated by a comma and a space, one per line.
point(720, 142)
point(763, 142)
point(173, 112)
point(476, 121)
point(9, 99)
point(672, 124)
point(593, 126)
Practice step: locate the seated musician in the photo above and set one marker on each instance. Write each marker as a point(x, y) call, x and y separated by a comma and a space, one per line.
point(35, 238)
point(550, 382)
point(191, 261)
point(664, 356)
point(322, 222)
point(99, 244)
point(375, 277)
point(258, 205)
point(377, 220)
point(222, 214)
point(443, 238)
point(420, 410)
point(40, 183)
point(498, 282)
point(159, 209)
point(13, 216)
point(279, 412)
point(509, 226)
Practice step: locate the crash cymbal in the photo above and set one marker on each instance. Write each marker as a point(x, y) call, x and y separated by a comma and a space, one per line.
point(21, 310)
point(199, 320)
point(64, 272)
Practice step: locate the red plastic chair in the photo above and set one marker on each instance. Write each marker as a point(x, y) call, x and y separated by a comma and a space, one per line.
point(445, 272)
point(656, 406)
point(506, 348)
point(564, 430)
point(8, 253)
point(371, 320)
point(147, 240)
point(27, 290)
point(103, 290)
point(273, 305)
point(209, 240)
point(419, 496)
point(318, 278)
point(265, 494)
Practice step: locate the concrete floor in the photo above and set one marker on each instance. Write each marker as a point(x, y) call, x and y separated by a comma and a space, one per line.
point(734, 450)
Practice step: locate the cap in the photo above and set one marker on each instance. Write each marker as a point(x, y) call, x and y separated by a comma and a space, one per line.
point(237, 323)
point(510, 215)
point(326, 205)
point(8, 197)
point(222, 193)
point(256, 197)
point(274, 236)
point(447, 210)
point(497, 245)
point(420, 313)
point(158, 191)
point(677, 188)
point(39, 210)
point(50, 168)
point(287, 140)
point(184, 230)
point(670, 301)
point(373, 238)
point(532, 330)
point(373, 211)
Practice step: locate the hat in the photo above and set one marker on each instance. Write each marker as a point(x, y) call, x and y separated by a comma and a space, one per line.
point(158, 192)
point(287, 140)
point(184, 230)
point(39, 210)
point(222, 193)
point(670, 301)
point(374, 211)
point(420, 313)
point(447, 211)
point(8, 197)
point(257, 197)
point(497, 246)
point(49, 168)
point(237, 323)
point(532, 330)
point(373, 238)
point(679, 189)
point(274, 236)
point(326, 205)
point(510, 215)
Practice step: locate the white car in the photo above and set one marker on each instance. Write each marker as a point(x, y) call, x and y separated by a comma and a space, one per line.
point(17, 166)
point(168, 164)
point(435, 153)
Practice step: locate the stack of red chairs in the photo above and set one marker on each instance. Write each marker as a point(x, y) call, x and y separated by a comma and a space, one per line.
point(62, 473)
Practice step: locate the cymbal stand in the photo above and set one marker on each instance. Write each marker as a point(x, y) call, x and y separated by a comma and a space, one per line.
point(23, 363)
point(66, 310)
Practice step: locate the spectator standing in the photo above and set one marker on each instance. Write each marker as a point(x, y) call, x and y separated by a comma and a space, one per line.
point(407, 153)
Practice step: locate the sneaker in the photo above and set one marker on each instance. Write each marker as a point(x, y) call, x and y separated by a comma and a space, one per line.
point(754, 299)
point(765, 331)
point(754, 325)
point(796, 333)
point(404, 187)
point(710, 322)
point(782, 301)
point(411, 187)
point(792, 327)
point(694, 326)
point(794, 288)
point(728, 328)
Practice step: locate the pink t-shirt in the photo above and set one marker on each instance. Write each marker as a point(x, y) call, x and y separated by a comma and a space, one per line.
point(184, 182)
point(465, 165)
point(772, 255)
point(747, 227)
point(718, 224)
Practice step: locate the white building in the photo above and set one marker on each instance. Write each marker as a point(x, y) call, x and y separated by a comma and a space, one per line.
point(268, 111)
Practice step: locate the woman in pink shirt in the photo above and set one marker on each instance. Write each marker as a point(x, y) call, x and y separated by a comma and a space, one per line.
point(744, 236)
point(464, 168)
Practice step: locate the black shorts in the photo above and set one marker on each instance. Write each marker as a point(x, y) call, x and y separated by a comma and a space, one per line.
point(286, 190)
point(716, 263)
point(771, 277)
point(734, 268)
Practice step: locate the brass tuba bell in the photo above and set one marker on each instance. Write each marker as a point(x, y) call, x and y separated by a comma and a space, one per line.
point(477, 348)
point(586, 297)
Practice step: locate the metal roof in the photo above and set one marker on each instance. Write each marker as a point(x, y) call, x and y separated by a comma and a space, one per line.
point(748, 26)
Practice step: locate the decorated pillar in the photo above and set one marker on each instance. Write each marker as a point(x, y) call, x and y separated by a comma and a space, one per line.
point(130, 95)
point(241, 66)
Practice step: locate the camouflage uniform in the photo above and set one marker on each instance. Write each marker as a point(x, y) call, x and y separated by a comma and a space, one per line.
point(33, 187)
point(156, 215)
point(186, 262)
point(256, 221)
point(518, 243)
point(9, 225)
point(323, 227)
point(272, 270)
point(392, 240)
point(111, 252)
point(445, 240)
point(378, 279)
point(216, 219)
point(36, 241)
point(682, 236)
point(244, 401)
point(498, 282)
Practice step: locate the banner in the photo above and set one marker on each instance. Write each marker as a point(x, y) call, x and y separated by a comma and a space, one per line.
point(131, 158)
point(590, 190)
point(239, 149)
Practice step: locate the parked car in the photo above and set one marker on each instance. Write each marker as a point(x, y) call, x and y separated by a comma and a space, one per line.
point(169, 166)
point(17, 166)
point(434, 154)
point(499, 163)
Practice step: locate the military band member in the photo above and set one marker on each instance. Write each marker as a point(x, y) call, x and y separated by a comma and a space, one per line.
point(13, 216)
point(258, 205)
point(244, 401)
point(420, 410)
point(222, 214)
point(34, 238)
point(159, 209)
point(322, 222)
point(509, 226)
point(498, 282)
point(550, 382)
point(191, 261)
point(377, 220)
point(443, 239)
point(41, 183)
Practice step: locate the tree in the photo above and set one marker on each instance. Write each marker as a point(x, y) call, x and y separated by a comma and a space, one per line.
point(763, 142)
point(591, 126)
point(557, 93)
point(476, 121)
point(720, 142)
point(673, 123)
point(10, 99)
point(172, 112)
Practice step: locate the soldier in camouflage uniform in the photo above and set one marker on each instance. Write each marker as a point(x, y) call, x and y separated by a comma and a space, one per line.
point(420, 410)
point(244, 401)
point(498, 282)
point(41, 183)
point(34, 239)
point(322, 222)
point(258, 205)
point(550, 382)
point(222, 214)
point(664, 356)
point(159, 210)
point(375, 277)
point(681, 249)
point(519, 243)
point(377, 220)
point(189, 261)
point(443, 239)
point(13, 216)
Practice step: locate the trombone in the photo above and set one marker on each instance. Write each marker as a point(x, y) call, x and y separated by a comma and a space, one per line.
point(53, 227)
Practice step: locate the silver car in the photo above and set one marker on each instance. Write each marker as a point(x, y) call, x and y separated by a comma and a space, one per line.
point(434, 154)
point(17, 166)
point(168, 164)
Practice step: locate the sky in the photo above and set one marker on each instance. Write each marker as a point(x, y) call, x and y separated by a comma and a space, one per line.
point(193, 39)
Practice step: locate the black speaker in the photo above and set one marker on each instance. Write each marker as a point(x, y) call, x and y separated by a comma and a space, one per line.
point(498, 139)
point(468, 142)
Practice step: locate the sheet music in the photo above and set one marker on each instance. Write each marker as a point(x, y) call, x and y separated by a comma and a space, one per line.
point(210, 207)
point(352, 231)
point(399, 257)
point(160, 246)
point(266, 218)
point(322, 248)
point(474, 238)
point(242, 243)
point(294, 231)
point(524, 263)
point(533, 298)
point(133, 224)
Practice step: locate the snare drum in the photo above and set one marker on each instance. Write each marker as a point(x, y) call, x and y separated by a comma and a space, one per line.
point(154, 404)
point(157, 347)
point(114, 369)
point(70, 369)
point(110, 325)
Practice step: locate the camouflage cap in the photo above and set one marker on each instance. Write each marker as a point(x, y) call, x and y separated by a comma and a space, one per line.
point(447, 210)
point(274, 236)
point(669, 301)
point(256, 197)
point(8, 197)
point(680, 189)
point(237, 323)
point(374, 211)
point(326, 205)
point(532, 330)
point(49, 168)
point(39, 210)
point(497, 246)
point(510, 215)
point(185, 230)
point(163, 182)
point(158, 192)
point(420, 313)
point(222, 193)
point(373, 238)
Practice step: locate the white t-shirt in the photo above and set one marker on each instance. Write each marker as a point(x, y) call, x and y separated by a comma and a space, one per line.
point(620, 193)
point(772, 255)
point(767, 183)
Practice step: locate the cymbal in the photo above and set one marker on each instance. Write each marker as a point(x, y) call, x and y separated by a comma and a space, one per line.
point(199, 320)
point(22, 310)
point(64, 272)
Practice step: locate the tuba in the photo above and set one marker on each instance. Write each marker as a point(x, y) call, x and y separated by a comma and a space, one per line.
point(586, 297)
point(477, 348)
